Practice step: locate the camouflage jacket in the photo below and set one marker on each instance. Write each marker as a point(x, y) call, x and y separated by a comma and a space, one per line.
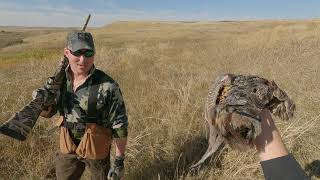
point(111, 111)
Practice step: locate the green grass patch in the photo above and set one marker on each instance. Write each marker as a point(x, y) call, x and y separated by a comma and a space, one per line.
point(8, 60)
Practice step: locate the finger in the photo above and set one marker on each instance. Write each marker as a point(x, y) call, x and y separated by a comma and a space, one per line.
point(109, 174)
point(53, 86)
point(52, 82)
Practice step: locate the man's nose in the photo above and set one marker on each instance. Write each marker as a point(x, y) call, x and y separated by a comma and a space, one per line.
point(82, 58)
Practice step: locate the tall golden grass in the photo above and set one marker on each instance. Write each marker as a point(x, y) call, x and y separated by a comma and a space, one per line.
point(164, 70)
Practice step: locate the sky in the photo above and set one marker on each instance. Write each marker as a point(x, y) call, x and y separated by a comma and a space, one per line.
point(72, 13)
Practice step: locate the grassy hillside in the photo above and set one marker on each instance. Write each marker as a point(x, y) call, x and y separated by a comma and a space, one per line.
point(164, 70)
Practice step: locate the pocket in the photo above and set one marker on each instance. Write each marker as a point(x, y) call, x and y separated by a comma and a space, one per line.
point(66, 144)
point(95, 144)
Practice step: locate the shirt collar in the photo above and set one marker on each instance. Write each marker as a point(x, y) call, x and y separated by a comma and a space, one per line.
point(92, 70)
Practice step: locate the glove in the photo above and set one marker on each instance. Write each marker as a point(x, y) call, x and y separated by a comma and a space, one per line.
point(46, 101)
point(44, 96)
point(54, 82)
point(117, 170)
point(52, 86)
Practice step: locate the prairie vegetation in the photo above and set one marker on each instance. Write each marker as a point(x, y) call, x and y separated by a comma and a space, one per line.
point(164, 70)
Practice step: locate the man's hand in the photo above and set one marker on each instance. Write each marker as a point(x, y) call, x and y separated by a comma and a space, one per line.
point(269, 143)
point(44, 96)
point(52, 86)
point(54, 82)
point(117, 170)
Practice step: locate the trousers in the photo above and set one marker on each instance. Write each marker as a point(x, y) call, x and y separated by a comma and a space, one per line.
point(71, 167)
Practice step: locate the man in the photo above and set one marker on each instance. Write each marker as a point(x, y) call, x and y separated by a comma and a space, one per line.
point(276, 161)
point(92, 115)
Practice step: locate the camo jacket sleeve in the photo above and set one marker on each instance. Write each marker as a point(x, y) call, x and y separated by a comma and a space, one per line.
point(115, 112)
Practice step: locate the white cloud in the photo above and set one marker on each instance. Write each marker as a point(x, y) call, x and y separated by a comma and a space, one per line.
point(29, 18)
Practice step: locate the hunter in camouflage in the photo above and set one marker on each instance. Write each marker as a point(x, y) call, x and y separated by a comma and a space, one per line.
point(92, 113)
point(233, 108)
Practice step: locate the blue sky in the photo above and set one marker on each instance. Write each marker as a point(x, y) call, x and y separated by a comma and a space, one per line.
point(57, 13)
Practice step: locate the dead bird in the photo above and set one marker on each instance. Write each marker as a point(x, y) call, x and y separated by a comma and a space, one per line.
point(233, 107)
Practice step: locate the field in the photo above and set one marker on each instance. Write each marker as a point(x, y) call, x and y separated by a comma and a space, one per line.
point(164, 70)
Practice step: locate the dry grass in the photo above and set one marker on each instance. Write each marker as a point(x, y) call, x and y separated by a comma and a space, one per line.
point(164, 70)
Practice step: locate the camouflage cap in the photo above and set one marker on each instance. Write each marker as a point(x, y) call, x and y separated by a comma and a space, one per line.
point(77, 40)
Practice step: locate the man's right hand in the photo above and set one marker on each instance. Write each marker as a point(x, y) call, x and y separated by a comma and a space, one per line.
point(54, 82)
point(52, 86)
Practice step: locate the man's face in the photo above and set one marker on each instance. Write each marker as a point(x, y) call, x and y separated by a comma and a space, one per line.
point(80, 61)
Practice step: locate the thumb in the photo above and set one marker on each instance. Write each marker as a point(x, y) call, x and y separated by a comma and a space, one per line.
point(110, 173)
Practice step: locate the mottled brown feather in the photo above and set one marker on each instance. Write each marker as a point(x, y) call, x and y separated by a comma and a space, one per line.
point(233, 108)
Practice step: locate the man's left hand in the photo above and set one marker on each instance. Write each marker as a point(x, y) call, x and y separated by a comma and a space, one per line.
point(117, 170)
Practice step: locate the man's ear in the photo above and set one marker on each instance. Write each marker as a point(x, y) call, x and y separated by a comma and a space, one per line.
point(66, 52)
